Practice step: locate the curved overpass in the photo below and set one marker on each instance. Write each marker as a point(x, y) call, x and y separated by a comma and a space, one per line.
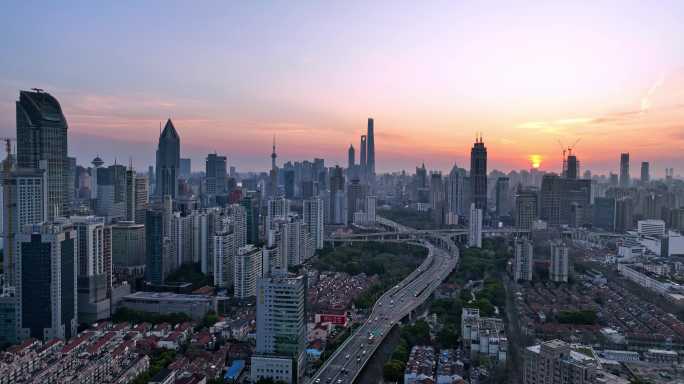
point(398, 302)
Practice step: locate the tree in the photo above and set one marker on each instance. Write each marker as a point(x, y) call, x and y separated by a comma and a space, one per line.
point(393, 370)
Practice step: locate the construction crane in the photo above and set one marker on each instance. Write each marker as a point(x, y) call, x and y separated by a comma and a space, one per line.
point(567, 151)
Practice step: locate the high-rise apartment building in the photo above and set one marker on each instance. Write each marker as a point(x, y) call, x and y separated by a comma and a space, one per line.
point(313, 218)
point(168, 162)
point(276, 209)
point(47, 268)
point(555, 361)
point(523, 261)
point(42, 135)
point(475, 227)
point(281, 329)
point(526, 208)
point(558, 270)
point(247, 270)
point(478, 175)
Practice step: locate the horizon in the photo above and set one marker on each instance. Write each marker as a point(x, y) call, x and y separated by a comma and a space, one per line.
point(432, 76)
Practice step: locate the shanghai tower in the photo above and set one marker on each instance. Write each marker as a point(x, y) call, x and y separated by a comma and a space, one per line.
point(478, 174)
point(370, 142)
point(42, 135)
point(168, 162)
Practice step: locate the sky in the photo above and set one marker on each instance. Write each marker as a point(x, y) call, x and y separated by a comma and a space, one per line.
point(529, 76)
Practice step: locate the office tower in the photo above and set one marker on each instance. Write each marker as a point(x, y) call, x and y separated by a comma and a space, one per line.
point(551, 190)
point(624, 170)
point(455, 188)
point(356, 197)
point(573, 168)
point(523, 260)
point(503, 196)
point(42, 135)
point(565, 201)
point(24, 202)
point(159, 248)
point(185, 168)
point(128, 247)
point(70, 183)
point(351, 158)
point(94, 260)
point(645, 175)
point(97, 164)
point(370, 151)
point(276, 209)
point(337, 198)
point(247, 270)
point(555, 361)
point(216, 176)
point(168, 162)
point(130, 194)
point(289, 183)
point(111, 195)
point(141, 198)
point(371, 202)
point(475, 227)
point(437, 198)
point(478, 175)
point(526, 205)
point(281, 329)
point(604, 214)
point(558, 271)
point(313, 218)
point(251, 206)
point(363, 161)
point(46, 276)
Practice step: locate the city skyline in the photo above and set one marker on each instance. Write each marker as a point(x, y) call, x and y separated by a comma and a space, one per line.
point(232, 76)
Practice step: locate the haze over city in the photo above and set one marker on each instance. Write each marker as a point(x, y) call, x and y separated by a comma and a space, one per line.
point(432, 75)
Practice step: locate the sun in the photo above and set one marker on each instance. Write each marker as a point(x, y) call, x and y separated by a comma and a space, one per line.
point(536, 161)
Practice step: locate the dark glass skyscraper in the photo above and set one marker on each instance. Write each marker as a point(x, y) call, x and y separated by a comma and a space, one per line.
point(216, 174)
point(363, 160)
point(351, 157)
point(42, 135)
point(624, 170)
point(645, 174)
point(168, 162)
point(370, 151)
point(478, 174)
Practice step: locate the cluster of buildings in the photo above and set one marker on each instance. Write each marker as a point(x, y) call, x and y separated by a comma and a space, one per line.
point(425, 365)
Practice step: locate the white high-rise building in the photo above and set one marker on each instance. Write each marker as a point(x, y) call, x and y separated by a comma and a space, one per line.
point(475, 227)
point(281, 329)
point(559, 263)
point(313, 218)
point(523, 260)
point(247, 269)
point(224, 258)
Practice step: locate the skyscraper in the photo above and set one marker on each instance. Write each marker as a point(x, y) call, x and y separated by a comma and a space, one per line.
point(247, 271)
point(337, 198)
point(363, 161)
point(645, 175)
point(624, 170)
point(42, 135)
point(572, 171)
point(46, 267)
point(281, 328)
point(370, 151)
point(168, 162)
point(351, 157)
point(503, 196)
point(526, 208)
point(216, 176)
point(478, 174)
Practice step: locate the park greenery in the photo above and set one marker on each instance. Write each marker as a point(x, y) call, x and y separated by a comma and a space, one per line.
point(158, 360)
point(410, 336)
point(135, 317)
point(189, 273)
point(391, 262)
point(409, 217)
